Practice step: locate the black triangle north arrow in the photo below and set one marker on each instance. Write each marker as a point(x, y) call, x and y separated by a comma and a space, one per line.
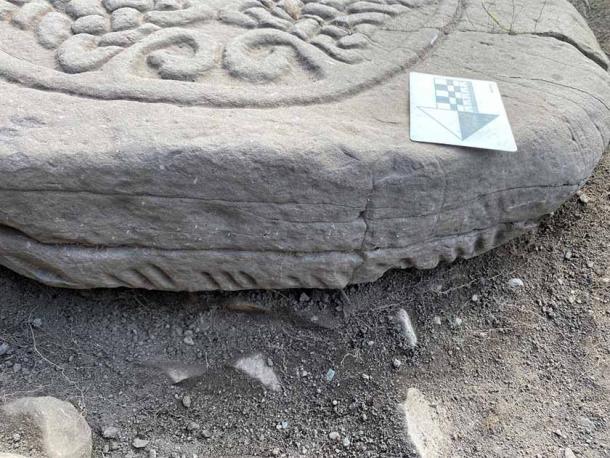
point(462, 124)
point(473, 122)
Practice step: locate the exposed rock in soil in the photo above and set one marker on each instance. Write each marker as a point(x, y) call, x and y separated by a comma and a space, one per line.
point(52, 425)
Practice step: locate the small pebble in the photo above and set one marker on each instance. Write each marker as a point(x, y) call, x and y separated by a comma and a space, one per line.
point(37, 323)
point(475, 298)
point(437, 320)
point(330, 375)
point(515, 283)
point(303, 297)
point(152, 453)
point(396, 363)
point(408, 330)
point(192, 426)
point(4, 349)
point(346, 442)
point(568, 254)
point(110, 432)
point(187, 401)
point(139, 443)
point(568, 453)
point(584, 198)
point(334, 436)
point(587, 424)
point(188, 340)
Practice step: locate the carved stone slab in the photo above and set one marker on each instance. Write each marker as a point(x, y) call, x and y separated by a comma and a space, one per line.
point(231, 144)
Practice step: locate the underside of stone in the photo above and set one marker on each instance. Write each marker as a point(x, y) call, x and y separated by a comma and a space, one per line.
point(214, 144)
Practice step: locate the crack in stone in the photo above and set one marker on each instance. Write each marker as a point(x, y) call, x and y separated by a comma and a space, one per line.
point(179, 197)
point(604, 141)
point(600, 61)
point(565, 39)
point(367, 227)
point(561, 85)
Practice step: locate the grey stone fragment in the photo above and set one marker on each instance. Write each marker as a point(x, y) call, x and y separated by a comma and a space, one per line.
point(139, 443)
point(177, 156)
point(408, 331)
point(516, 283)
point(187, 401)
point(568, 453)
point(193, 426)
point(423, 426)
point(63, 431)
point(256, 367)
point(110, 432)
point(586, 423)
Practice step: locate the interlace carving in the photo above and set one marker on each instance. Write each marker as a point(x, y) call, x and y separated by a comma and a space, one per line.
point(214, 42)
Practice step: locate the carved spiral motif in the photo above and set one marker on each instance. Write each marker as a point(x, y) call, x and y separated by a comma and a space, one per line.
point(137, 48)
point(243, 62)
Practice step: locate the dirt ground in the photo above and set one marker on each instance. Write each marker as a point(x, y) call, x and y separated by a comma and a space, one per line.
point(510, 371)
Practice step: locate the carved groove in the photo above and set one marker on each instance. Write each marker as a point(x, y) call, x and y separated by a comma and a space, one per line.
point(230, 281)
point(248, 280)
point(320, 282)
point(87, 268)
point(146, 50)
point(116, 281)
point(294, 281)
point(210, 280)
point(137, 279)
point(159, 277)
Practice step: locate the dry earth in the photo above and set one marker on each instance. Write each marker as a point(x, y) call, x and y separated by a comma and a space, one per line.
point(507, 371)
